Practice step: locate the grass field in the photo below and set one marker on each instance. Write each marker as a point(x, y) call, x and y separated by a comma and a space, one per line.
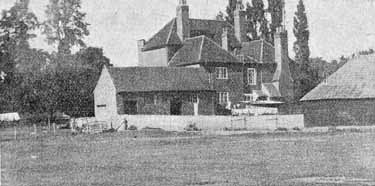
point(154, 158)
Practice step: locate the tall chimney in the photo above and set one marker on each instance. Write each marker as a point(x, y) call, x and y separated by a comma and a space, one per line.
point(140, 44)
point(183, 23)
point(224, 38)
point(240, 22)
point(283, 77)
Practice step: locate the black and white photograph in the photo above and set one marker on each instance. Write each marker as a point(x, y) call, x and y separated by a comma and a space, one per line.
point(187, 92)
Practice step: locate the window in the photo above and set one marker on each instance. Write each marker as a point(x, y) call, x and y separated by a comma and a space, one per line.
point(149, 99)
point(193, 99)
point(157, 100)
point(252, 76)
point(223, 97)
point(101, 106)
point(241, 58)
point(221, 73)
point(249, 98)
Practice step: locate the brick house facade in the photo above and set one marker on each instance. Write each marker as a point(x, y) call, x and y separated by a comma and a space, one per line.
point(219, 46)
point(209, 59)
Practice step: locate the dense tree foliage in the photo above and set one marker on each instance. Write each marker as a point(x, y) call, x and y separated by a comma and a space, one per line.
point(16, 28)
point(65, 25)
point(40, 83)
point(305, 78)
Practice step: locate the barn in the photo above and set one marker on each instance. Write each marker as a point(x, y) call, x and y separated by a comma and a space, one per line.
point(153, 91)
point(345, 98)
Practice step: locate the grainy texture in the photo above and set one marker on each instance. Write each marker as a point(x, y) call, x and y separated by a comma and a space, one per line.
point(159, 158)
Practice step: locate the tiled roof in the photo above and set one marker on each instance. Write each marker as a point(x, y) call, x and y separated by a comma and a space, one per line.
point(166, 36)
point(214, 28)
point(259, 51)
point(148, 79)
point(355, 80)
point(201, 50)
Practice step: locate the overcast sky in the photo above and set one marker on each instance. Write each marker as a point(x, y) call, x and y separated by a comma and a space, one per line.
point(337, 26)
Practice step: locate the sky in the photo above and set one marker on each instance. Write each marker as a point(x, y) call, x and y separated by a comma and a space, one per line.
point(338, 27)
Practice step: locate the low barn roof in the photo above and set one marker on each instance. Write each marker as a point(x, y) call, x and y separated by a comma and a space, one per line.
point(355, 80)
point(149, 79)
point(201, 49)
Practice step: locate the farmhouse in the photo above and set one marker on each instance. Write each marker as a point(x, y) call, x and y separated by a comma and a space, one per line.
point(209, 62)
point(345, 98)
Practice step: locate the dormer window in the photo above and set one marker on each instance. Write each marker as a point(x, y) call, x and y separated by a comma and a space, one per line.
point(221, 73)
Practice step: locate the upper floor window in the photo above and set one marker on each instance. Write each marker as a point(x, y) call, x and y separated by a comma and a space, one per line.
point(221, 73)
point(223, 97)
point(252, 76)
point(193, 99)
point(249, 98)
point(241, 58)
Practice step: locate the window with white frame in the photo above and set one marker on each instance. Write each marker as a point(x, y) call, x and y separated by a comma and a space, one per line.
point(221, 73)
point(193, 99)
point(249, 98)
point(252, 76)
point(223, 97)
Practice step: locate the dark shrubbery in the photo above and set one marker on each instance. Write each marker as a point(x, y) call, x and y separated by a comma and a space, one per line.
point(192, 128)
point(132, 127)
point(281, 129)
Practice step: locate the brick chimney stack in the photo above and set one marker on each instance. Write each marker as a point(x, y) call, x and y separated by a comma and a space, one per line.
point(225, 39)
point(240, 22)
point(283, 77)
point(140, 44)
point(183, 22)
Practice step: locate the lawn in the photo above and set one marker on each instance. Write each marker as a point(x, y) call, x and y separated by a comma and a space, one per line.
point(147, 158)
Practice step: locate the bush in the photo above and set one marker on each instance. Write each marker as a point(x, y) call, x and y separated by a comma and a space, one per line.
point(132, 127)
point(296, 129)
point(192, 128)
point(281, 129)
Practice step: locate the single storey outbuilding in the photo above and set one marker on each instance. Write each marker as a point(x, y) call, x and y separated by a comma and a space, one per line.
point(153, 91)
point(345, 98)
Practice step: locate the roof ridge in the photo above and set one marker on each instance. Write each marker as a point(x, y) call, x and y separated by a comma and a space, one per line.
point(220, 47)
point(201, 48)
point(207, 19)
point(170, 31)
point(161, 29)
point(195, 37)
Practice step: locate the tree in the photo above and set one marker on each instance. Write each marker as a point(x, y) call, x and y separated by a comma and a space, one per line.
point(231, 7)
point(16, 26)
point(305, 77)
point(65, 25)
point(256, 20)
point(302, 34)
point(275, 8)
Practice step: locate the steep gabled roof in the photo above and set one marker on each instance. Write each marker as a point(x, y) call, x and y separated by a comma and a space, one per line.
point(149, 79)
point(166, 36)
point(259, 51)
point(355, 80)
point(201, 50)
point(214, 28)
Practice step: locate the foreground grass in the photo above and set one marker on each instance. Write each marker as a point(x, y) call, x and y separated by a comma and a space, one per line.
point(164, 159)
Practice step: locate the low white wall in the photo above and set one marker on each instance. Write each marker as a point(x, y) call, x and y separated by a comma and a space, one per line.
point(210, 123)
